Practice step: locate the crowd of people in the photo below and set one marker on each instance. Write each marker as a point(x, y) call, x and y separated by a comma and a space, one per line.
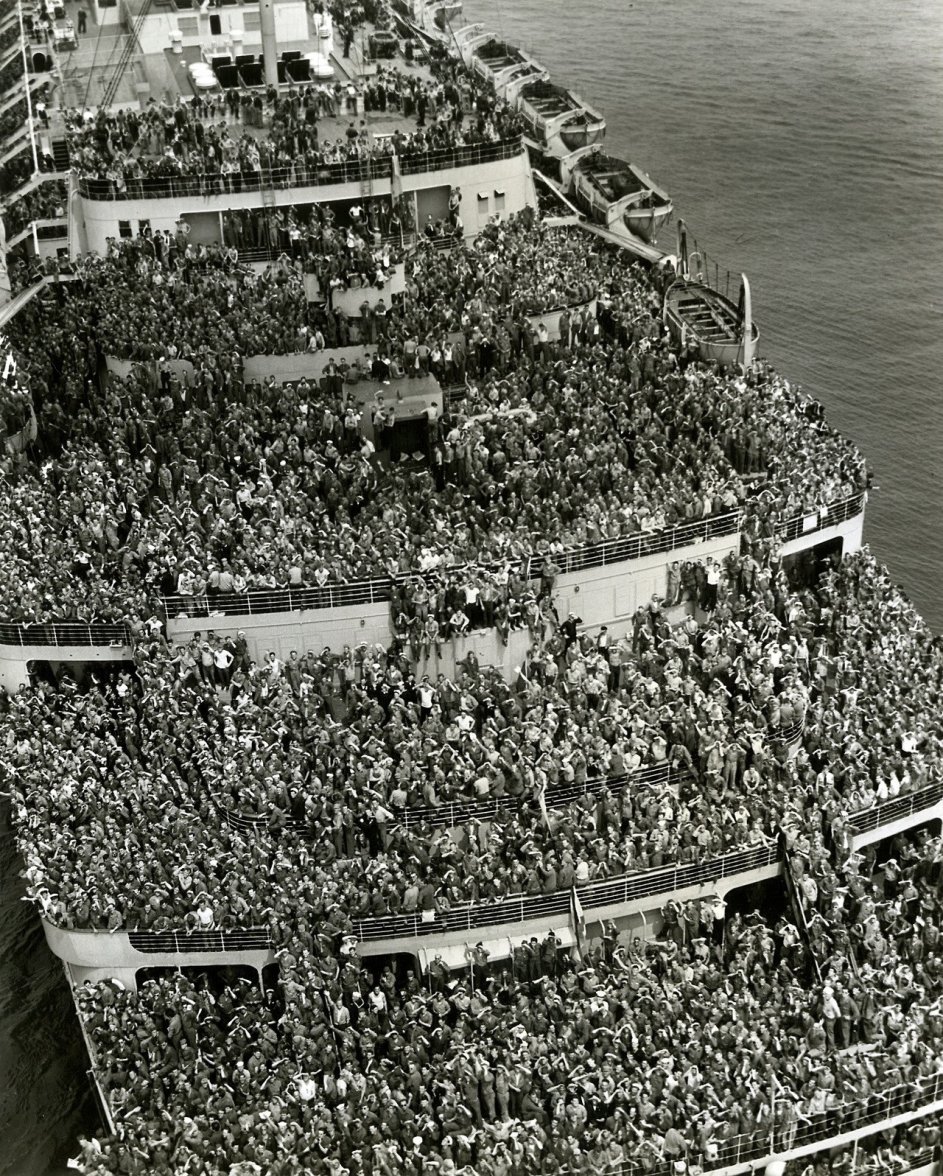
point(282, 134)
point(653, 1054)
point(45, 202)
point(197, 789)
point(12, 120)
point(341, 761)
point(16, 171)
point(547, 453)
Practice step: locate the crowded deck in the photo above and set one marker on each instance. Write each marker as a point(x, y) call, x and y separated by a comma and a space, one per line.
point(304, 804)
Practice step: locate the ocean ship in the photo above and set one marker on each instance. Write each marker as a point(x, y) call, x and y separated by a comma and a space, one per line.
point(240, 47)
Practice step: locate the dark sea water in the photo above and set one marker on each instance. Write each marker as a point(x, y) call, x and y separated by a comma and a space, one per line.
point(803, 143)
point(45, 1099)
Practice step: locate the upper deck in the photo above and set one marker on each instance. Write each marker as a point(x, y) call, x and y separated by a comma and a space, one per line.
point(204, 125)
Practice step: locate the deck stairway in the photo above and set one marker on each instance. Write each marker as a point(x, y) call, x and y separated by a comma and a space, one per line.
point(61, 155)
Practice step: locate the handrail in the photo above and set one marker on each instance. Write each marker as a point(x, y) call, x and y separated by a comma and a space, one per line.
point(866, 820)
point(647, 883)
point(63, 633)
point(521, 908)
point(910, 1098)
point(555, 796)
point(453, 813)
point(458, 812)
point(789, 736)
point(350, 171)
point(644, 543)
point(470, 155)
point(829, 516)
point(268, 600)
point(517, 908)
point(298, 175)
point(596, 555)
point(177, 942)
point(379, 590)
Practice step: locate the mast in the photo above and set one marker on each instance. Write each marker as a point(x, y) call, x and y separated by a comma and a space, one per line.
point(747, 334)
point(269, 46)
point(682, 248)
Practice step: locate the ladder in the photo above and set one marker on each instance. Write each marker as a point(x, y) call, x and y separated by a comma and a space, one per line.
point(366, 177)
point(61, 155)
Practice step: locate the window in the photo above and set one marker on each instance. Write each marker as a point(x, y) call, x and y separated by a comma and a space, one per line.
point(483, 203)
point(498, 200)
point(216, 25)
point(124, 229)
point(144, 226)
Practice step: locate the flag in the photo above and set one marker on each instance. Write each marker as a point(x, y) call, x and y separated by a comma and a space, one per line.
point(578, 918)
point(542, 801)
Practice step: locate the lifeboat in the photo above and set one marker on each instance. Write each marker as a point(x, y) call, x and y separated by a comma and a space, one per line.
point(557, 120)
point(441, 14)
point(615, 194)
point(694, 310)
point(499, 62)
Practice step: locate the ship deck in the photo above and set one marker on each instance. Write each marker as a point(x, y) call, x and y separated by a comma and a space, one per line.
point(87, 70)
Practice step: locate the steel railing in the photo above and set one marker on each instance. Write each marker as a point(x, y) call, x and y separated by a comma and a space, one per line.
point(379, 590)
point(458, 812)
point(555, 796)
point(596, 555)
point(649, 883)
point(63, 633)
point(269, 600)
point(612, 551)
point(376, 591)
point(179, 942)
point(524, 908)
point(788, 736)
point(473, 155)
point(352, 171)
point(911, 1099)
point(830, 516)
point(515, 909)
point(907, 805)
